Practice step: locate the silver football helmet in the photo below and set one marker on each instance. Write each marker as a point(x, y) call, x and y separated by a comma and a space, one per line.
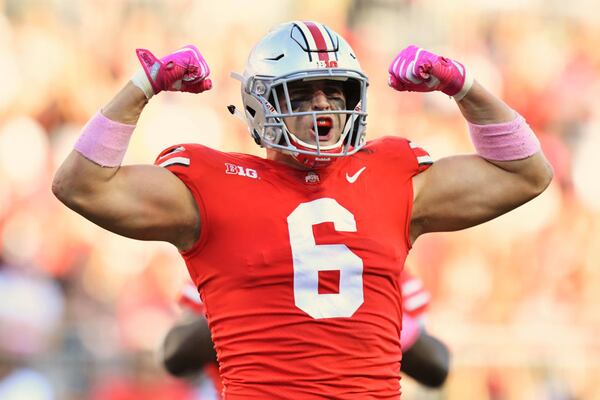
point(302, 51)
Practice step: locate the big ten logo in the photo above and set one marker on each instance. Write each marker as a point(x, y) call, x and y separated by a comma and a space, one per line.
point(233, 169)
point(327, 64)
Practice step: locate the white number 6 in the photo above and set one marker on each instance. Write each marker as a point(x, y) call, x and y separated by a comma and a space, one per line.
point(310, 258)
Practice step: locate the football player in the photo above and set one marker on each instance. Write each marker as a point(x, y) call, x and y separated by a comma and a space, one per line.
point(297, 255)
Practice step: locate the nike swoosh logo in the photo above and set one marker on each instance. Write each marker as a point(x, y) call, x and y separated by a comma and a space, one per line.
point(353, 178)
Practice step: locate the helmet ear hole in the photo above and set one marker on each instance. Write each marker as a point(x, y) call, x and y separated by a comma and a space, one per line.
point(251, 111)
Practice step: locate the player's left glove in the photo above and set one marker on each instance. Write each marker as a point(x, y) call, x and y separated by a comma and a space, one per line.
point(417, 70)
point(184, 70)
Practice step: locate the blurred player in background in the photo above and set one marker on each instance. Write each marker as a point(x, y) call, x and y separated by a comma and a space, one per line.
point(298, 255)
point(425, 358)
point(188, 349)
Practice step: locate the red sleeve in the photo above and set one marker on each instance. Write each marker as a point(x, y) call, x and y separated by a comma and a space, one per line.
point(400, 160)
point(421, 156)
point(176, 158)
point(187, 161)
point(181, 160)
point(401, 155)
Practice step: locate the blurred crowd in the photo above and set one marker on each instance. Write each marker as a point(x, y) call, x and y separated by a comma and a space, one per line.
point(516, 299)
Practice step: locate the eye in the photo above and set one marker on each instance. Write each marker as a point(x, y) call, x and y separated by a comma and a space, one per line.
point(334, 88)
point(298, 100)
point(336, 97)
point(296, 104)
point(334, 93)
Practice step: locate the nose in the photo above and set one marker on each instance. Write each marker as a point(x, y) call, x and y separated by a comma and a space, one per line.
point(320, 101)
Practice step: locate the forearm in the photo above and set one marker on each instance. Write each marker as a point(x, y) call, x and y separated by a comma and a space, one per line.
point(87, 167)
point(143, 202)
point(427, 361)
point(188, 347)
point(127, 106)
point(516, 149)
point(105, 138)
point(508, 168)
point(481, 107)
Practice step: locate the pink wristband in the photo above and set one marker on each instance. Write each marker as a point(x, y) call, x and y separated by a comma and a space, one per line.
point(507, 141)
point(104, 141)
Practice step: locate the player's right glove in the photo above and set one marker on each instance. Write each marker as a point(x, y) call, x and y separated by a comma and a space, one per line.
point(185, 70)
point(417, 70)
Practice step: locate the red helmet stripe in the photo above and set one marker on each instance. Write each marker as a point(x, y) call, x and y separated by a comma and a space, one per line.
point(319, 39)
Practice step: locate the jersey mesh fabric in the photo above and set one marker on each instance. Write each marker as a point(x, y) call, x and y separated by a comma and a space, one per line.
point(269, 343)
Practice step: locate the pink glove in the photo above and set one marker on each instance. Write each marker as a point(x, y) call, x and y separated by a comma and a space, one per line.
point(182, 71)
point(417, 70)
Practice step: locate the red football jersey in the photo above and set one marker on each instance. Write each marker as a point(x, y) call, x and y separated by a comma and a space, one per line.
point(415, 300)
point(299, 271)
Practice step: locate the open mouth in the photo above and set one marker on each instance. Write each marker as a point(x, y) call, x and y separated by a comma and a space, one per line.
point(324, 125)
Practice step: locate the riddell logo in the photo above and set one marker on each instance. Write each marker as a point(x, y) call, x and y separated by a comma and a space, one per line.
point(232, 169)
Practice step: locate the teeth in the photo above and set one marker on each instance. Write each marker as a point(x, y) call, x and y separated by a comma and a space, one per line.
point(324, 122)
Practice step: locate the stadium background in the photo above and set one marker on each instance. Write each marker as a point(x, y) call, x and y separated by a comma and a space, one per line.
point(517, 300)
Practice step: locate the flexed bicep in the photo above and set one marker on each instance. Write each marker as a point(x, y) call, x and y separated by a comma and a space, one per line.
point(463, 191)
point(143, 202)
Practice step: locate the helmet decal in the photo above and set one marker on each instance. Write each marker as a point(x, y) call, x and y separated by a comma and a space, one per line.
point(315, 38)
